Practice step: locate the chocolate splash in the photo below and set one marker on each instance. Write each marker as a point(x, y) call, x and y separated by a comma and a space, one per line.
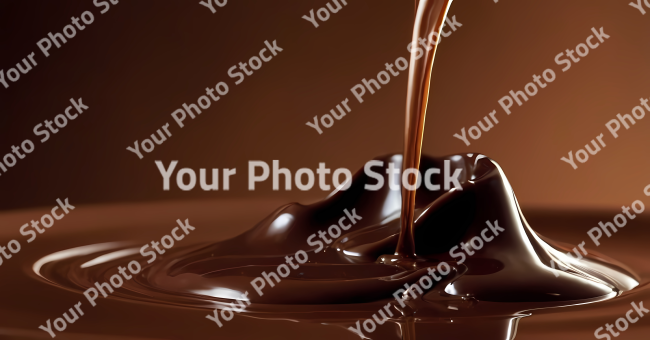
point(513, 267)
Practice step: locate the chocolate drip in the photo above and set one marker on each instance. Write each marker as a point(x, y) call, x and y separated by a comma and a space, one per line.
point(429, 18)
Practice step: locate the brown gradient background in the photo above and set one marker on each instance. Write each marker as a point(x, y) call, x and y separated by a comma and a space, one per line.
point(142, 60)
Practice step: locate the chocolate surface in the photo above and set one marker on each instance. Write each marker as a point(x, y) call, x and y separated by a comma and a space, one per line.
point(500, 283)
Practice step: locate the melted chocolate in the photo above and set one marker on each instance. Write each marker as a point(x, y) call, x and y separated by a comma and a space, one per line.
point(400, 236)
point(429, 18)
point(344, 283)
